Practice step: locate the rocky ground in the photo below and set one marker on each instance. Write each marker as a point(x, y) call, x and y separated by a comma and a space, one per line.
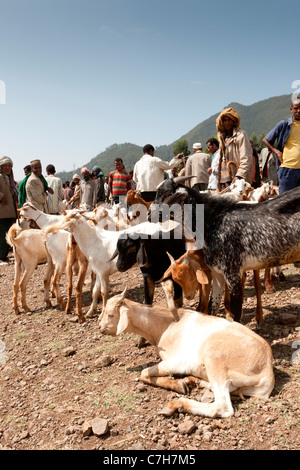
point(64, 386)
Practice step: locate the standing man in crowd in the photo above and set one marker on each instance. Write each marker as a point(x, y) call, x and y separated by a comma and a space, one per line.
point(148, 172)
point(197, 165)
point(213, 148)
point(67, 192)
point(8, 204)
point(75, 186)
point(119, 181)
point(287, 150)
point(36, 187)
point(87, 190)
point(27, 170)
point(106, 189)
point(234, 147)
point(54, 200)
point(98, 178)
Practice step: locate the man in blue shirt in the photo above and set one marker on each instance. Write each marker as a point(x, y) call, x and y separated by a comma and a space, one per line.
point(287, 150)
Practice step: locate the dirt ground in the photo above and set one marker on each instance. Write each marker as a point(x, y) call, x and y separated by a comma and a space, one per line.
point(57, 375)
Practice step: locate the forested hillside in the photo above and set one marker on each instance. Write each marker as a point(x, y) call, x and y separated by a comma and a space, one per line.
point(257, 119)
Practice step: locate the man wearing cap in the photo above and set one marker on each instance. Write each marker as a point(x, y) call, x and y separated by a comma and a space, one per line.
point(37, 189)
point(197, 165)
point(87, 190)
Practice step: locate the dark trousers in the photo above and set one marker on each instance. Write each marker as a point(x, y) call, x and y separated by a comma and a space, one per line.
point(5, 225)
point(289, 178)
point(200, 186)
point(148, 196)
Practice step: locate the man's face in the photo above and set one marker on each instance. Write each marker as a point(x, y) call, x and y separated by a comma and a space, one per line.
point(86, 175)
point(212, 148)
point(228, 123)
point(36, 169)
point(118, 165)
point(6, 168)
point(295, 110)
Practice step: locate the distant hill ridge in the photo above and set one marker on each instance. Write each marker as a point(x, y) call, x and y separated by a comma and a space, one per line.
point(257, 118)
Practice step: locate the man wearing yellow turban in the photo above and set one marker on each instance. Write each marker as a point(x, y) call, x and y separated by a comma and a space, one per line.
point(235, 147)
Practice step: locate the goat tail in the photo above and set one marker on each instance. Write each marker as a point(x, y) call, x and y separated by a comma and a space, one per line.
point(51, 229)
point(11, 235)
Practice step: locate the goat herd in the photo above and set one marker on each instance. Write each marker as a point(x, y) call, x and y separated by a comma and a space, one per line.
point(243, 229)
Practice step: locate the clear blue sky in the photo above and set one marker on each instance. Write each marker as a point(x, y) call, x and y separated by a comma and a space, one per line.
point(81, 75)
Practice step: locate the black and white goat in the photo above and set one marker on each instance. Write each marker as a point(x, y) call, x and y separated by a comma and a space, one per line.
point(239, 237)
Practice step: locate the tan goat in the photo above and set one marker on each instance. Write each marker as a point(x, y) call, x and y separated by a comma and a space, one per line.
point(192, 273)
point(29, 251)
point(223, 356)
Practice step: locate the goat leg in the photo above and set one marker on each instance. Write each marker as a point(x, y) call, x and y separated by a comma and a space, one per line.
point(236, 298)
point(159, 376)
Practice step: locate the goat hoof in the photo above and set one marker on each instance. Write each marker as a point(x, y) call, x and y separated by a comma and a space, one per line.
point(270, 291)
point(91, 314)
point(141, 342)
point(166, 411)
point(81, 319)
point(183, 386)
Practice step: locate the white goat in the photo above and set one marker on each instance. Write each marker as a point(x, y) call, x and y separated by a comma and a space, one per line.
point(29, 251)
point(63, 253)
point(226, 356)
point(99, 245)
point(237, 190)
point(260, 194)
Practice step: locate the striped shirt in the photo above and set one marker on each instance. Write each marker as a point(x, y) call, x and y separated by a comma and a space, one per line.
point(119, 180)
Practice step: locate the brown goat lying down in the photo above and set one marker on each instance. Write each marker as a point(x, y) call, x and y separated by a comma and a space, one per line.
point(223, 356)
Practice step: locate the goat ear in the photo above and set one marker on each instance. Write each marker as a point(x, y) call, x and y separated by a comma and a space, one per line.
point(141, 257)
point(200, 274)
point(123, 322)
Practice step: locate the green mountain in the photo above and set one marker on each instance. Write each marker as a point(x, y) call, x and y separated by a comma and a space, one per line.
point(257, 119)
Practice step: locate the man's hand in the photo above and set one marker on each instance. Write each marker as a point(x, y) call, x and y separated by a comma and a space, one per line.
point(279, 155)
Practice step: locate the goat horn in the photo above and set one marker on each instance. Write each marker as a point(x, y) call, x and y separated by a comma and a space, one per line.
point(114, 255)
point(181, 179)
point(122, 296)
point(171, 258)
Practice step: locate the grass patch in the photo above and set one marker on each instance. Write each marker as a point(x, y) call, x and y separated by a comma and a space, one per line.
point(115, 396)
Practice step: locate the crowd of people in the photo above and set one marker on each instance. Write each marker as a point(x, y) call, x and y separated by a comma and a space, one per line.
point(226, 158)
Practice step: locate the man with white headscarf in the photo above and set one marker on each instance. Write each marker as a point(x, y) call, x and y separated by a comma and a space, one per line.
point(8, 204)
